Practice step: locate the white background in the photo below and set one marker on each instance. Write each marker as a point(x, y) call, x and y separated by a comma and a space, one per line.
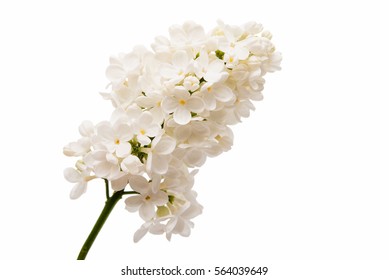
point(307, 178)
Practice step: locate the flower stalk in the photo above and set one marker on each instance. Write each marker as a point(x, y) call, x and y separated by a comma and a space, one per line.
point(109, 205)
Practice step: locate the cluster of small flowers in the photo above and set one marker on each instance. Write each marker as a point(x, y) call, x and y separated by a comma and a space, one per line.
point(172, 111)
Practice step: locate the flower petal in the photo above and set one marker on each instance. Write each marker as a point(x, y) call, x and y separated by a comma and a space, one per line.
point(86, 128)
point(123, 149)
point(165, 146)
point(78, 190)
point(182, 115)
point(72, 175)
point(143, 139)
point(145, 119)
point(180, 59)
point(133, 203)
point(153, 130)
point(147, 211)
point(102, 169)
point(132, 165)
point(105, 131)
point(115, 73)
point(139, 184)
point(195, 104)
point(140, 233)
point(209, 101)
point(195, 157)
point(169, 104)
point(160, 198)
point(130, 61)
point(120, 183)
point(223, 93)
point(160, 164)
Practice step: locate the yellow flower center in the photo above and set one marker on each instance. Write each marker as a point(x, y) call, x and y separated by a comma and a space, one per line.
point(182, 102)
point(209, 89)
point(142, 131)
point(117, 141)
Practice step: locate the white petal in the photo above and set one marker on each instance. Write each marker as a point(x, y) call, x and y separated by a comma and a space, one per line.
point(195, 157)
point(147, 211)
point(182, 133)
point(180, 59)
point(145, 119)
point(153, 130)
point(131, 62)
point(223, 93)
point(145, 101)
point(216, 66)
point(105, 131)
point(155, 183)
point(182, 115)
point(120, 183)
point(139, 184)
point(171, 224)
point(140, 233)
point(102, 169)
point(185, 231)
point(123, 149)
point(124, 132)
point(209, 101)
point(176, 33)
point(195, 104)
point(160, 198)
point(143, 139)
point(213, 77)
point(197, 33)
point(168, 71)
point(72, 175)
point(166, 145)
point(169, 104)
point(111, 159)
point(78, 190)
point(115, 73)
point(133, 203)
point(160, 164)
point(132, 165)
point(242, 53)
point(86, 128)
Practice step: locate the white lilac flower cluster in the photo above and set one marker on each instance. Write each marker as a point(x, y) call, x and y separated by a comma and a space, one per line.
point(172, 106)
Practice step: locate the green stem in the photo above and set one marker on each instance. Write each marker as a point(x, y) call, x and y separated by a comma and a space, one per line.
point(106, 188)
point(109, 205)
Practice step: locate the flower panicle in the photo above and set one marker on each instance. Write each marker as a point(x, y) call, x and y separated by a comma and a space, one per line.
point(173, 108)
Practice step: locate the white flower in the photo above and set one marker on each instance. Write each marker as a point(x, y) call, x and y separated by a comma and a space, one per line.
point(179, 67)
point(191, 83)
point(80, 178)
point(216, 92)
point(121, 68)
point(182, 104)
point(159, 154)
point(147, 200)
point(181, 222)
point(105, 164)
point(152, 100)
point(212, 72)
point(115, 138)
point(132, 165)
point(145, 128)
point(82, 146)
point(172, 110)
